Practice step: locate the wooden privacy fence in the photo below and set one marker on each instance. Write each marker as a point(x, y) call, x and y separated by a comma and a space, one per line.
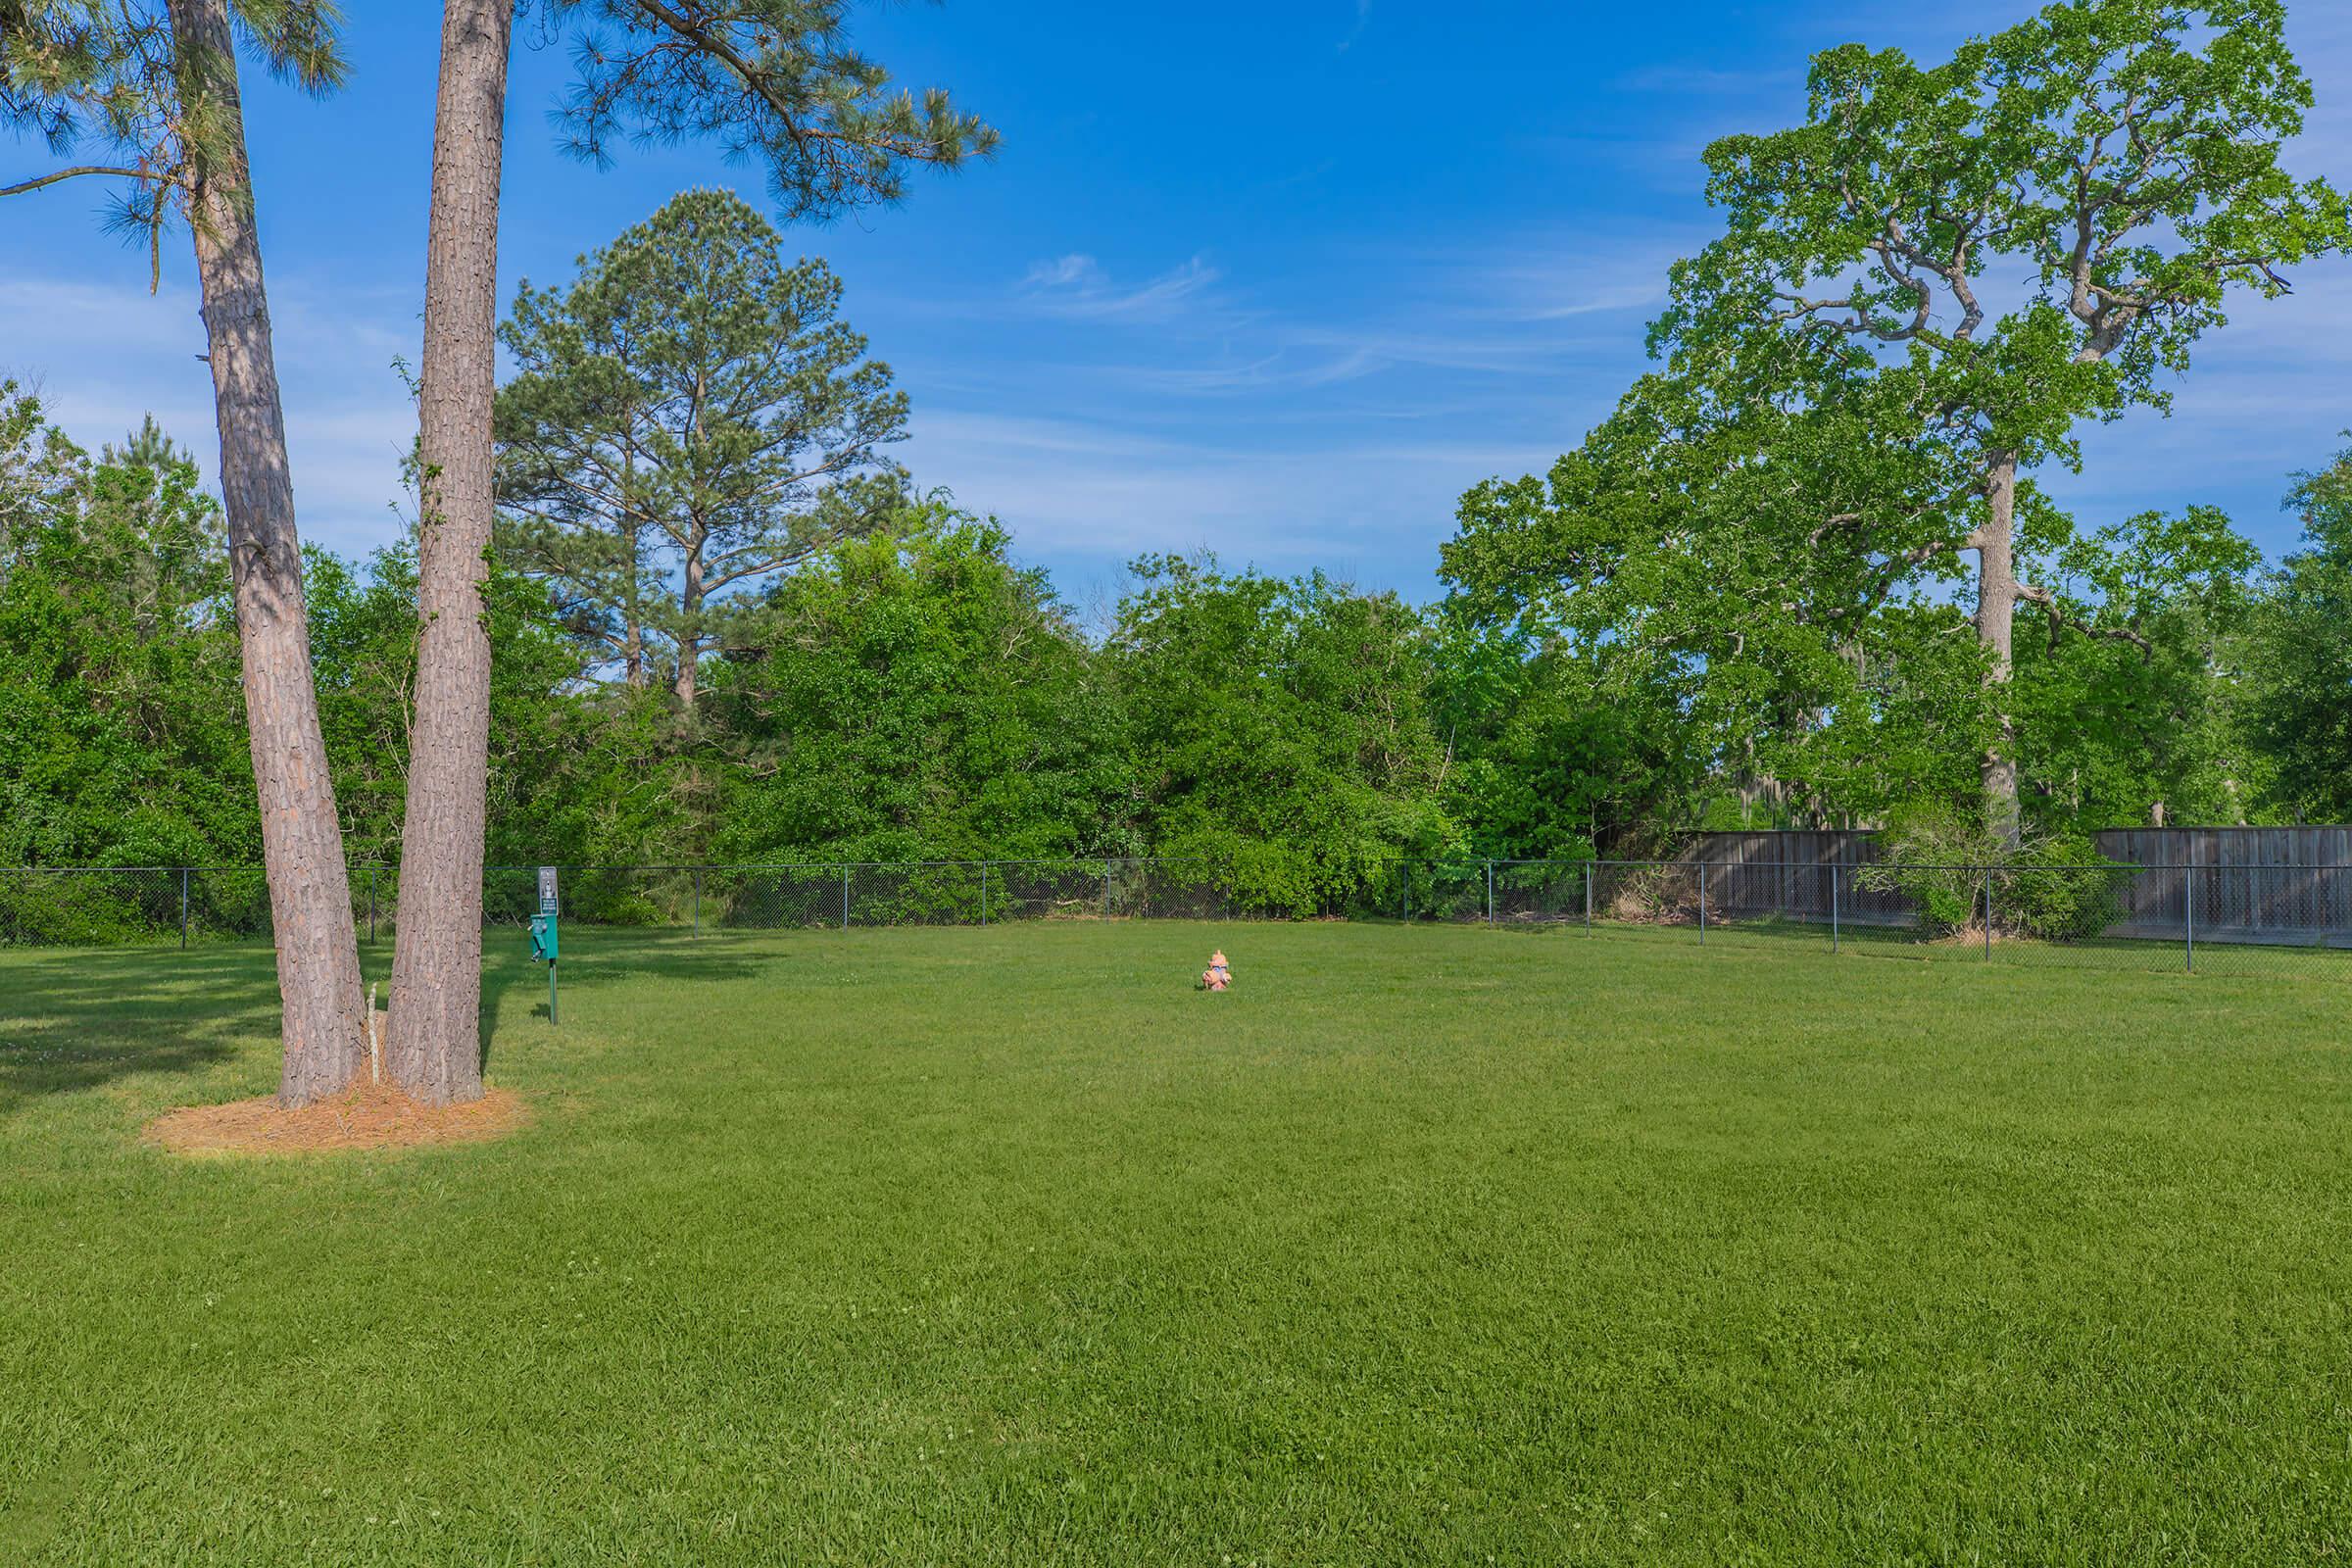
point(2247, 884)
point(1791, 873)
point(2235, 884)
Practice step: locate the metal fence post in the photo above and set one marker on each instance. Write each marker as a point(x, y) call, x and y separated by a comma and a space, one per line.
point(184, 908)
point(844, 894)
point(1588, 897)
point(984, 893)
point(1489, 893)
point(1702, 903)
point(2188, 880)
point(1106, 890)
point(1833, 908)
point(698, 901)
point(1989, 915)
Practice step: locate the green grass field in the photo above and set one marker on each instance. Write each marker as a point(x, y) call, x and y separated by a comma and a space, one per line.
point(1424, 1245)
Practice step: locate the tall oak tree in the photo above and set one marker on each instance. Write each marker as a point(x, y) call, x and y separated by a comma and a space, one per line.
point(2029, 235)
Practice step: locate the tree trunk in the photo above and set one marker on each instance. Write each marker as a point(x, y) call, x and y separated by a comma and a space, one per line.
point(690, 641)
point(435, 1046)
point(1997, 617)
point(632, 612)
point(323, 1026)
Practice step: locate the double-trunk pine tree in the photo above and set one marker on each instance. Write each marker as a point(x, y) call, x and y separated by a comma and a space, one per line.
point(2024, 237)
point(162, 92)
point(772, 81)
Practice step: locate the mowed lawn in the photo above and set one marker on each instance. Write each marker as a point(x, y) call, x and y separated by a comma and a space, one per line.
point(1003, 1245)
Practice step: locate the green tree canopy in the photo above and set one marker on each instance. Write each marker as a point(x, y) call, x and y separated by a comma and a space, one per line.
point(687, 418)
point(121, 737)
point(1281, 728)
point(915, 694)
point(2122, 155)
point(2299, 710)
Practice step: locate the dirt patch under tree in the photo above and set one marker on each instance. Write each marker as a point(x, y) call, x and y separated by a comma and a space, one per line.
point(363, 1116)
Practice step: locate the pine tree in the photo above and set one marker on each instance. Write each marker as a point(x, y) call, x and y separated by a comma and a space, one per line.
point(147, 446)
point(157, 89)
point(688, 418)
point(771, 81)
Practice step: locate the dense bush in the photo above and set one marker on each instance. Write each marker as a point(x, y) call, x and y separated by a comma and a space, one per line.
point(1928, 853)
point(2061, 889)
point(2056, 887)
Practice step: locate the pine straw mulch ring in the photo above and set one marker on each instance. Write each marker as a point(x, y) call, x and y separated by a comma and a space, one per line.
point(366, 1116)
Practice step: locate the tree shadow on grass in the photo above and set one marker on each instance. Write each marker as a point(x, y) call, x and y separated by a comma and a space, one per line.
point(597, 957)
point(79, 1020)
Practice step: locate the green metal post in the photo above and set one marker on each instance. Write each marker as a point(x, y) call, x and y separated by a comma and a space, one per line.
point(184, 908)
point(2189, 882)
point(1989, 915)
point(1702, 903)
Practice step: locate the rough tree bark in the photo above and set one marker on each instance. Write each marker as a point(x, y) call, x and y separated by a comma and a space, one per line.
point(435, 1046)
point(324, 1027)
point(687, 684)
point(1995, 544)
point(632, 610)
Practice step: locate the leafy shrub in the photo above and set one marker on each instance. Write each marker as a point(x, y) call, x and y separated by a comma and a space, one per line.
point(2062, 889)
point(1931, 855)
point(2059, 887)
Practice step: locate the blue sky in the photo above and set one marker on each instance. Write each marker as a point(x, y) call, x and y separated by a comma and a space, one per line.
point(1279, 280)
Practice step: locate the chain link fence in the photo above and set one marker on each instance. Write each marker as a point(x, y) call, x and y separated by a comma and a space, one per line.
point(2234, 919)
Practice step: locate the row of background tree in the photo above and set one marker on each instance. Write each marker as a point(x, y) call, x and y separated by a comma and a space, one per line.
point(727, 627)
point(1794, 561)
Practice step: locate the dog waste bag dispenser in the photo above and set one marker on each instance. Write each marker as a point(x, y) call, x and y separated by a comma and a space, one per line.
point(543, 934)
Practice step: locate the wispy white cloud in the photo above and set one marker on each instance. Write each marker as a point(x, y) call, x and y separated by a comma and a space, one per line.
point(1088, 488)
point(1074, 270)
point(1550, 276)
point(1294, 366)
point(1713, 82)
point(104, 352)
point(1534, 306)
point(1077, 286)
point(1363, 19)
